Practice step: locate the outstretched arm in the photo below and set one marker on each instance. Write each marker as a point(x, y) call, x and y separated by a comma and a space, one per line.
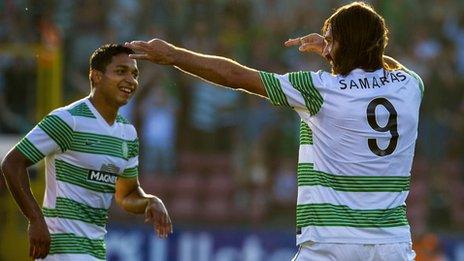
point(216, 69)
point(14, 168)
point(131, 197)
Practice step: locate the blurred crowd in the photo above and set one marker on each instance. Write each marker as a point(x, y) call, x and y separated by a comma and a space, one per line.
point(218, 155)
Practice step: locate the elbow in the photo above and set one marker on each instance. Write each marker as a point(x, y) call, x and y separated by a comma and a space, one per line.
point(12, 162)
point(122, 201)
point(119, 200)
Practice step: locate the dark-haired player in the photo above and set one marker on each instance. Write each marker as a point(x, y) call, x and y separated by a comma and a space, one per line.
point(91, 156)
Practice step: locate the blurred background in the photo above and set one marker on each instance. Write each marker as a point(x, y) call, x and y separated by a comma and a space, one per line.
point(225, 162)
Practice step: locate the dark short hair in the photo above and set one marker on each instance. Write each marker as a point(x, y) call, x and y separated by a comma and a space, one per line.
point(361, 34)
point(104, 55)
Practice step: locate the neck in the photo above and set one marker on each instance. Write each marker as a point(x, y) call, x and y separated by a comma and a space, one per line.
point(107, 110)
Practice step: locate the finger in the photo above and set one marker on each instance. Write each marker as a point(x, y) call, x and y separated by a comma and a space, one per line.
point(151, 218)
point(304, 48)
point(43, 251)
point(148, 216)
point(38, 253)
point(171, 229)
point(168, 229)
point(45, 247)
point(293, 42)
point(138, 45)
point(163, 226)
point(139, 56)
point(135, 43)
point(38, 250)
point(31, 250)
point(307, 48)
point(34, 249)
point(167, 226)
point(158, 231)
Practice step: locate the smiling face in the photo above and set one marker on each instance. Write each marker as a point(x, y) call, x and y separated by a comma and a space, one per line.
point(117, 84)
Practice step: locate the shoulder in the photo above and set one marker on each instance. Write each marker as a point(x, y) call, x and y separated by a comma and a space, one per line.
point(412, 74)
point(309, 78)
point(127, 126)
point(323, 78)
point(80, 109)
point(415, 77)
point(60, 116)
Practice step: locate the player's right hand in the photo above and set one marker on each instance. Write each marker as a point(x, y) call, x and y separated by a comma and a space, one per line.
point(310, 43)
point(155, 50)
point(39, 239)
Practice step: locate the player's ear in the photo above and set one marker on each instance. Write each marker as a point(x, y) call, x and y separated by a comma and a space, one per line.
point(95, 76)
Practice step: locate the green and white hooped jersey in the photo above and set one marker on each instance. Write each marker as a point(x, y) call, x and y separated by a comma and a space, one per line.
point(357, 141)
point(83, 158)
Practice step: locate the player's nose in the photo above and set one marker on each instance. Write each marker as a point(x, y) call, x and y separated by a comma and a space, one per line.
point(132, 80)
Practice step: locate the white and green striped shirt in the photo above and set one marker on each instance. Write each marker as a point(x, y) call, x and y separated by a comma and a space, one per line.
point(357, 142)
point(84, 156)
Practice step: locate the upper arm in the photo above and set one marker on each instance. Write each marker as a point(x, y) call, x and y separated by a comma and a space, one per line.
point(252, 82)
point(394, 65)
point(420, 83)
point(294, 90)
point(52, 134)
point(128, 181)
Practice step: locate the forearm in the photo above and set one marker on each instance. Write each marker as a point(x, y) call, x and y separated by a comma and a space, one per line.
point(16, 177)
point(219, 70)
point(136, 201)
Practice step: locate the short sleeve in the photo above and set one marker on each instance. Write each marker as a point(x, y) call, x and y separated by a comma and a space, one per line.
point(52, 134)
point(294, 90)
point(418, 79)
point(132, 169)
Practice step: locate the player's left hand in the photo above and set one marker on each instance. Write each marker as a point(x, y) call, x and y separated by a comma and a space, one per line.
point(157, 214)
point(310, 43)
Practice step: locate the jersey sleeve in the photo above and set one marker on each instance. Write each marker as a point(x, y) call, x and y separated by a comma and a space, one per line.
point(52, 134)
point(417, 78)
point(132, 167)
point(294, 90)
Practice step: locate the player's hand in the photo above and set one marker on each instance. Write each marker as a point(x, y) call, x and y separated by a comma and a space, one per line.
point(39, 239)
point(155, 50)
point(310, 43)
point(156, 213)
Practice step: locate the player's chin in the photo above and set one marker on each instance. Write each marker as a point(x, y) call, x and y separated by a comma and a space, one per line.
point(122, 101)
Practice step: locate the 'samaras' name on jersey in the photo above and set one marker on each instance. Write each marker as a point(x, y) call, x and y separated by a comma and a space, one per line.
point(101, 177)
point(371, 83)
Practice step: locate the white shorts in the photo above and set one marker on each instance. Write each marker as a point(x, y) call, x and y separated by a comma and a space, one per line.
point(354, 252)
